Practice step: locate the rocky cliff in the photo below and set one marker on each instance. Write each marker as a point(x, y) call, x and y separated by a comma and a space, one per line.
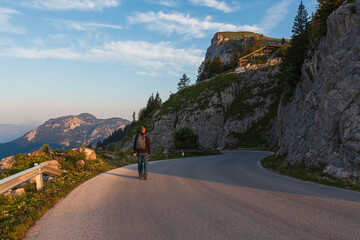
point(229, 110)
point(322, 122)
point(223, 43)
point(64, 133)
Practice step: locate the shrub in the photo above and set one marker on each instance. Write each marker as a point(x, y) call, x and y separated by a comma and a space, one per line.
point(185, 138)
point(45, 149)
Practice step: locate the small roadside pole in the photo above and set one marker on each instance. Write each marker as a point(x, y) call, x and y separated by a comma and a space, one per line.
point(39, 179)
point(182, 153)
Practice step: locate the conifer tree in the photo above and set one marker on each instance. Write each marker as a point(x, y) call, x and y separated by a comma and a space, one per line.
point(295, 54)
point(200, 71)
point(184, 82)
point(301, 20)
point(216, 66)
point(153, 104)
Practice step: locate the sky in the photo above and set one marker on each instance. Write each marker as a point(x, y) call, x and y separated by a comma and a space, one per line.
point(106, 57)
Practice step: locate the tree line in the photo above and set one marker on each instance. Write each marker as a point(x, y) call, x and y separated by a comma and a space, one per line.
point(305, 31)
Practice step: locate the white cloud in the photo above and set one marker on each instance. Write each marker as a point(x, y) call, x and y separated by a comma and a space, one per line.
point(5, 25)
point(186, 25)
point(219, 5)
point(167, 3)
point(82, 5)
point(148, 58)
point(33, 53)
point(6, 41)
point(82, 26)
point(275, 14)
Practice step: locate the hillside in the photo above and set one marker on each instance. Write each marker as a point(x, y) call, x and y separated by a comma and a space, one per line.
point(229, 110)
point(64, 133)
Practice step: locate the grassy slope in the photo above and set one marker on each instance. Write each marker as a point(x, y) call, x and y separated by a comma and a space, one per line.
point(232, 35)
point(198, 97)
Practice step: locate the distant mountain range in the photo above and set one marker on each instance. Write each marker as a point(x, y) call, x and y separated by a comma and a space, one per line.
point(64, 133)
point(9, 132)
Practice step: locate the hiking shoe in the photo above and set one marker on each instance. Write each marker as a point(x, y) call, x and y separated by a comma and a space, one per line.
point(141, 175)
point(145, 177)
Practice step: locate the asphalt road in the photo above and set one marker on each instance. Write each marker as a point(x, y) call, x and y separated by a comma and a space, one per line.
point(227, 196)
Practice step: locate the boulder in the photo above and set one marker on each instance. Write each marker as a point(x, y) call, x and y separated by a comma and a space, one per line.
point(80, 163)
point(7, 163)
point(19, 191)
point(89, 153)
point(52, 163)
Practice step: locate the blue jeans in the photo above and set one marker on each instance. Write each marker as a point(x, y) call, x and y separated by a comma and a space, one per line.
point(143, 163)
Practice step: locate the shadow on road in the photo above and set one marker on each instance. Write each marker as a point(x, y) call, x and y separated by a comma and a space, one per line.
point(121, 175)
point(240, 168)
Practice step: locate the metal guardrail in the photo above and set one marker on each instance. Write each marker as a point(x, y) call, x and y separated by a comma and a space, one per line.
point(10, 182)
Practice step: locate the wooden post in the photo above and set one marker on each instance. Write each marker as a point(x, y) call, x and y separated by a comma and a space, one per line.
point(39, 180)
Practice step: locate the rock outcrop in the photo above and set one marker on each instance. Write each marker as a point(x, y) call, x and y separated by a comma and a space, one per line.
point(223, 43)
point(220, 111)
point(7, 163)
point(322, 122)
point(89, 153)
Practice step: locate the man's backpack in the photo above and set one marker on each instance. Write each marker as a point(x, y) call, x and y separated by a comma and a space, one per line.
point(140, 143)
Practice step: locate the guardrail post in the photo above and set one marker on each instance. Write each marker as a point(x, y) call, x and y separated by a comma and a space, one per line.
point(182, 152)
point(39, 180)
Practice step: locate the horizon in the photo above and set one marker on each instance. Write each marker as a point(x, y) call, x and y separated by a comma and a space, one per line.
point(107, 57)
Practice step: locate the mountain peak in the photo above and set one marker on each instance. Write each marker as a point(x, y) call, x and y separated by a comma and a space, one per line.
point(85, 115)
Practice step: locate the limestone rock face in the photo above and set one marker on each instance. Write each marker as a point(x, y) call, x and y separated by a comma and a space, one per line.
point(7, 163)
point(223, 44)
point(216, 116)
point(322, 122)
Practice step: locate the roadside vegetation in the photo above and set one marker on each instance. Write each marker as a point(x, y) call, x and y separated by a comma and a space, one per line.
point(18, 213)
point(309, 173)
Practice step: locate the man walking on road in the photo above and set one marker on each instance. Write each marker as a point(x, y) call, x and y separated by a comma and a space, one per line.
point(142, 151)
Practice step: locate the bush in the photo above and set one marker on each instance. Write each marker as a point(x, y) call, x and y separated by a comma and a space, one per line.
point(185, 138)
point(45, 149)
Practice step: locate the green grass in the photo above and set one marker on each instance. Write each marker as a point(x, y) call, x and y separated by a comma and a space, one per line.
point(310, 173)
point(231, 35)
point(18, 213)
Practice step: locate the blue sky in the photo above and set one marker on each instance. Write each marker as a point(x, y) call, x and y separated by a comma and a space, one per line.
point(106, 57)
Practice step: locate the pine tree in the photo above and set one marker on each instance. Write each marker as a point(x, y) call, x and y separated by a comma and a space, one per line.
point(184, 82)
point(153, 104)
point(295, 54)
point(216, 66)
point(301, 20)
point(200, 72)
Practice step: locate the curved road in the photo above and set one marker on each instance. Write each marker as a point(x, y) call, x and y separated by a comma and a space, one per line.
point(227, 196)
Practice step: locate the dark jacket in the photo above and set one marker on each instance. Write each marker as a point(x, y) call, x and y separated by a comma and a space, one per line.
point(147, 145)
